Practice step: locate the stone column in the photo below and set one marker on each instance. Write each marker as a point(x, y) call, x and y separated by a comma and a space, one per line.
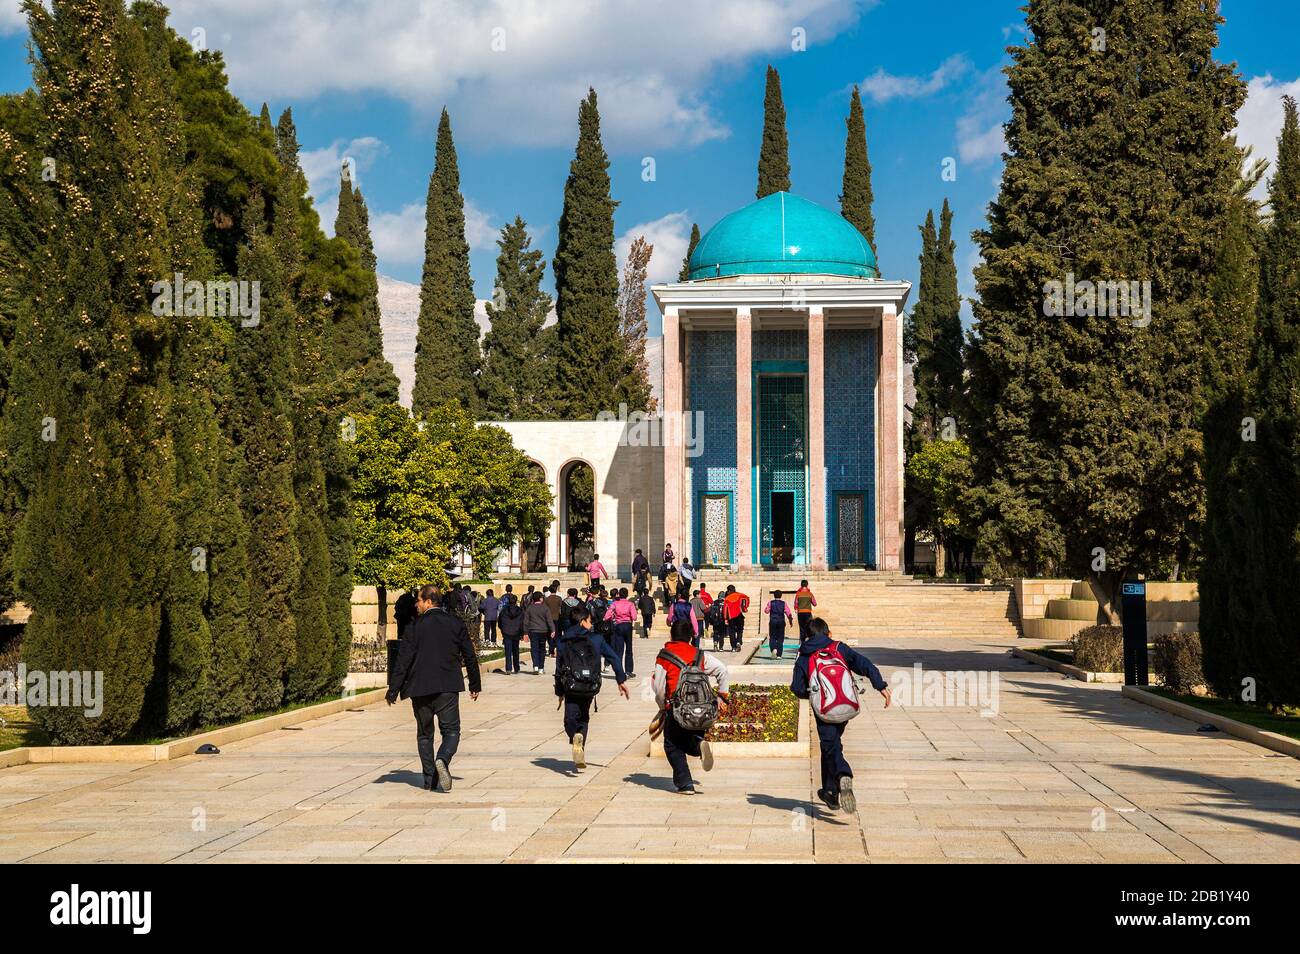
point(816, 440)
point(553, 555)
point(889, 479)
point(672, 433)
point(744, 438)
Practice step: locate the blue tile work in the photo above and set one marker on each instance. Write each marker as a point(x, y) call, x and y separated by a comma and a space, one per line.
point(786, 345)
point(711, 389)
point(850, 437)
point(782, 421)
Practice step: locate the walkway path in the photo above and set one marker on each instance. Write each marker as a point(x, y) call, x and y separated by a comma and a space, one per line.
point(1064, 772)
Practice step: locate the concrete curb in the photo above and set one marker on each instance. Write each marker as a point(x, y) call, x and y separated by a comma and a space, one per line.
point(166, 751)
point(1074, 672)
point(755, 750)
point(1241, 730)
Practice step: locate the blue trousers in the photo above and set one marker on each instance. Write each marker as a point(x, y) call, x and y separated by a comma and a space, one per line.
point(776, 637)
point(512, 653)
point(830, 736)
point(623, 646)
point(537, 643)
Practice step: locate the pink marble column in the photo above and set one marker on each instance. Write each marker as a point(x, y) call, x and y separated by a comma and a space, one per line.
point(672, 432)
point(889, 479)
point(816, 440)
point(744, 438)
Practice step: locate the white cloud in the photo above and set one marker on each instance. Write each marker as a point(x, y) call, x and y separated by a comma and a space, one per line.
point(1259, 121)
point(323, 168)
point(646, 61)
point(480, 233)
point(398, 236)
point(882, 86)
point(670, 235)
point(12, 18)
point(980, 136)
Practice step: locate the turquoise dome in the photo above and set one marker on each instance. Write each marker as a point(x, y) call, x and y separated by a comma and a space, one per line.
point(783, 234)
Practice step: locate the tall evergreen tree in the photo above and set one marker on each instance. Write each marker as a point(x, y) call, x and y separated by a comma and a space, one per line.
point(313, 375)
point(1086, 426)
point(262, 416)
point(774, 153)
point(588, 346)
point(685, 273)
point(1230, 597)
point(516, 373)
point(447, 348)
point(92, 379)
point(919, 339)
point(1268, 644)
point(856, 196)
point(948, 366)
point(632, 323)
point(357, 335)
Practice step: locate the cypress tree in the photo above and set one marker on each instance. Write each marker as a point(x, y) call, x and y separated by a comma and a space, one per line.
point(21, 193)
point(946, 355)
point(856, 196)
point(92, 376)
point(313, 375)
point(1228, 588)
point(919, 338)
point(356, 334)
point(447, 348)
point(515, 380)
point(262, 371)
point(1268, 644)
point(774, 153)
point(588, 348)
point(685, 273)
point(635, 385)
point(1085, 428)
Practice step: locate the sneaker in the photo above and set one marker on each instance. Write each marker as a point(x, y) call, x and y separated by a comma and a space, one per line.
point(579, 754)
point(830, 799)
point(444, 775)
point(686, 790)
point(706, 755)
point(428, 783)
point(847, 801)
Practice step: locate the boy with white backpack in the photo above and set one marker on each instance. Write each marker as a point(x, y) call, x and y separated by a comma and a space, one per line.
point(823, 674)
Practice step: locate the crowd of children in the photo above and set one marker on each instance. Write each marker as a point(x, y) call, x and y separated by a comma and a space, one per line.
point(590, 634)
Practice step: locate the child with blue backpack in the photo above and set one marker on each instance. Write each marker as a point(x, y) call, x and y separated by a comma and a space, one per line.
point(821, 675)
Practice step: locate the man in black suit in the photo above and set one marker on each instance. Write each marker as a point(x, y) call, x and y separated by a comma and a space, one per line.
point(428, 673)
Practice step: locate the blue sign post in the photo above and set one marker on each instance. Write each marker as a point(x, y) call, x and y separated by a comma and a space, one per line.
point(1133, 614)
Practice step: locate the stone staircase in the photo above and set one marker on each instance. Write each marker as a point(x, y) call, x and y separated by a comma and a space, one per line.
point(860, 606)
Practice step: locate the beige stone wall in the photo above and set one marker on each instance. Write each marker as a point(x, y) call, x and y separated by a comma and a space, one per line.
point(629, 483)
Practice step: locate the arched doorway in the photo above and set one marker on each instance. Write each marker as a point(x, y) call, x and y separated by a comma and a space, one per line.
point(532, 553)
point(578, 512)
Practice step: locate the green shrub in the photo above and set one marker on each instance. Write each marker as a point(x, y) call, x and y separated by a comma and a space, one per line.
point(1099, 649)
point(1176, 659)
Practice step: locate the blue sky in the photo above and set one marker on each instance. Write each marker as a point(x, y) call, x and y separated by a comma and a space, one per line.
point(679, 81)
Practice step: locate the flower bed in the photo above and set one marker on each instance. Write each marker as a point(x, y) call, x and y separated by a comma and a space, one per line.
point(758, 714)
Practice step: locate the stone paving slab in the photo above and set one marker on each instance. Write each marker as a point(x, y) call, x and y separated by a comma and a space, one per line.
point(1062, 772)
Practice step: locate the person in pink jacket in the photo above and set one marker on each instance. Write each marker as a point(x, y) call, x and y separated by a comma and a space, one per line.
point(595, 571)
point(622, 613)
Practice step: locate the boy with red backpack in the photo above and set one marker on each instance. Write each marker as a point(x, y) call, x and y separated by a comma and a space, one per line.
point(688, 705)
point(822, 675)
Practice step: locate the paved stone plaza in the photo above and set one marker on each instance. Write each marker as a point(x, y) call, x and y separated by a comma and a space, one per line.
point(1064, 772)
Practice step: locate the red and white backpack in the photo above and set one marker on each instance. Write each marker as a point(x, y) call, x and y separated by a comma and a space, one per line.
point(831, 689)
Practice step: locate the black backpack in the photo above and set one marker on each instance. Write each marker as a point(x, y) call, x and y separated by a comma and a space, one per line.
point(577, 671)
point(598, 622)
point(713, 616)
point(694, 703)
